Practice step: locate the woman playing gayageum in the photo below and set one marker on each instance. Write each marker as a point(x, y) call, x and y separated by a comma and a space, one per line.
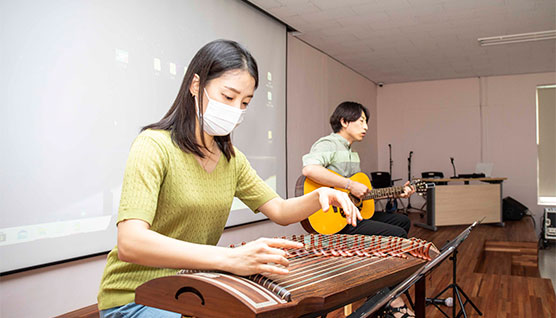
point(180, 179)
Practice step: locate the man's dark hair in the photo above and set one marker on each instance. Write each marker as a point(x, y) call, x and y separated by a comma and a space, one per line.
point(349, 111)
point(210, 62)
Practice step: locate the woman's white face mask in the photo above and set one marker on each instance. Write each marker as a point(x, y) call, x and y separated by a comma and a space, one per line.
point(219, 119)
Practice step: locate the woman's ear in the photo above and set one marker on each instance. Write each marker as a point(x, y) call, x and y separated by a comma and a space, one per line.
point(194, 86)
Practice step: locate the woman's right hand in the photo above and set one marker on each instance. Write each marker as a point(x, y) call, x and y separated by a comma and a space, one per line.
point(261, 256)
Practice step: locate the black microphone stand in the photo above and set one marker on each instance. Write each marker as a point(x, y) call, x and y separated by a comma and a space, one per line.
point(409, 178)
point(392, 203)
point(458, 294)
point(453, 166)
point(391, 163)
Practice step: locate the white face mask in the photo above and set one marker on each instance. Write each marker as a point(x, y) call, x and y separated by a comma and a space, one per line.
point(220, 119)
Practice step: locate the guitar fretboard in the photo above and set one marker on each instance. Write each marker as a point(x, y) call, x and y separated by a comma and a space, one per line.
point(390, 192)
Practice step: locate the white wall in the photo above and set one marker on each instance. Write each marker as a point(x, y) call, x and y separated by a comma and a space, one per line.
point(321, 84)
point(52, 290)
point(434, 119)
point(316, 84)
point(491, 119)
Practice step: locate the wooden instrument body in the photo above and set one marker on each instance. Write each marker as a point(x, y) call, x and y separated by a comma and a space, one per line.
point(333, 220)
point(316, 285)
point(160, 293)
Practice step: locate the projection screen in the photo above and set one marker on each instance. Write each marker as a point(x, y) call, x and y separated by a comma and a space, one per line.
point(79, 80)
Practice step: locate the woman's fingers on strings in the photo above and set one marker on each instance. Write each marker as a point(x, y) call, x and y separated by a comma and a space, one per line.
point(272, 252)
point(272, 269)
point(274, 258)
point(278, 243)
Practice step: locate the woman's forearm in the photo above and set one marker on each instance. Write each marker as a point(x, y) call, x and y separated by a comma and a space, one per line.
point(140, 245)
point(292, 210)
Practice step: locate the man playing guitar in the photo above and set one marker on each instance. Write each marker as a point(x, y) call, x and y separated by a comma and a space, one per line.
point(349, 123)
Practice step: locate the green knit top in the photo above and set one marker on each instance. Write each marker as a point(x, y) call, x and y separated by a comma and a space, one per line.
point(169, 189)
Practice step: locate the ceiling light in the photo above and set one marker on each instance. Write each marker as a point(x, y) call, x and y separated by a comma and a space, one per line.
point(518, 38)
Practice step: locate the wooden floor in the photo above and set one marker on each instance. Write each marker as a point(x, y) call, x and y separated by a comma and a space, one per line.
point(496, 268)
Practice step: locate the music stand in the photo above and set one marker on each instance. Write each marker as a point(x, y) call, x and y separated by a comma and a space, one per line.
point(457, 291)
point(384, 297)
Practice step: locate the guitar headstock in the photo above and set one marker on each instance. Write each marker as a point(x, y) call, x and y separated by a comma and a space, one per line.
point(421, 186)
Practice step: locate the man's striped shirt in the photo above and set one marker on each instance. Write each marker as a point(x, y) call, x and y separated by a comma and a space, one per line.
point(333, 152)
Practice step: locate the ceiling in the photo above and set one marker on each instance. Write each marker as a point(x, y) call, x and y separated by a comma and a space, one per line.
point(394, 41)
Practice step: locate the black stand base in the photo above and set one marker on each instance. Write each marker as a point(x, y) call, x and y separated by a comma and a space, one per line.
point(458, 294)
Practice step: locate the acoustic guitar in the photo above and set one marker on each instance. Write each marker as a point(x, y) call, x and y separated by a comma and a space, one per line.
point(334, 220)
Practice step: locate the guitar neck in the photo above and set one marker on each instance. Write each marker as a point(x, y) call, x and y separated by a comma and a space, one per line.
point(384, 192)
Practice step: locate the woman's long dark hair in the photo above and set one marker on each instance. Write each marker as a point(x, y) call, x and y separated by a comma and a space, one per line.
point(210, 62)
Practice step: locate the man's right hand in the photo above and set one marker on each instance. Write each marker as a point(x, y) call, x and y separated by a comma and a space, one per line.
point(357, 189)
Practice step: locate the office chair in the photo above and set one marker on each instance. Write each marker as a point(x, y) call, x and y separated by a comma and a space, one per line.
point(383, 179)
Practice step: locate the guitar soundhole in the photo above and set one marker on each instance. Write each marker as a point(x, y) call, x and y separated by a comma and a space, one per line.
point(356, 201)
point(336, 210)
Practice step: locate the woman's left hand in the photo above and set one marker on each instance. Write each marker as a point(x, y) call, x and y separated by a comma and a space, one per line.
point(329, 196)
point(407, 190)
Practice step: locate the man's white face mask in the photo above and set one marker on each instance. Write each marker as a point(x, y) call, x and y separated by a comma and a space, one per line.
point(219, 119)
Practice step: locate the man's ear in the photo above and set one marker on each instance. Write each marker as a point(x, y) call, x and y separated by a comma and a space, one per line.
point(194, 86)
point(343, 122)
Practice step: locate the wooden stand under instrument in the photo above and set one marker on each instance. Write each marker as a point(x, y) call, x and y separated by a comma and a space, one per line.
point(331, 271)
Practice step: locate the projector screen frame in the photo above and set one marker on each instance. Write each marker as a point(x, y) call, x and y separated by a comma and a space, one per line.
point(284, 163)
